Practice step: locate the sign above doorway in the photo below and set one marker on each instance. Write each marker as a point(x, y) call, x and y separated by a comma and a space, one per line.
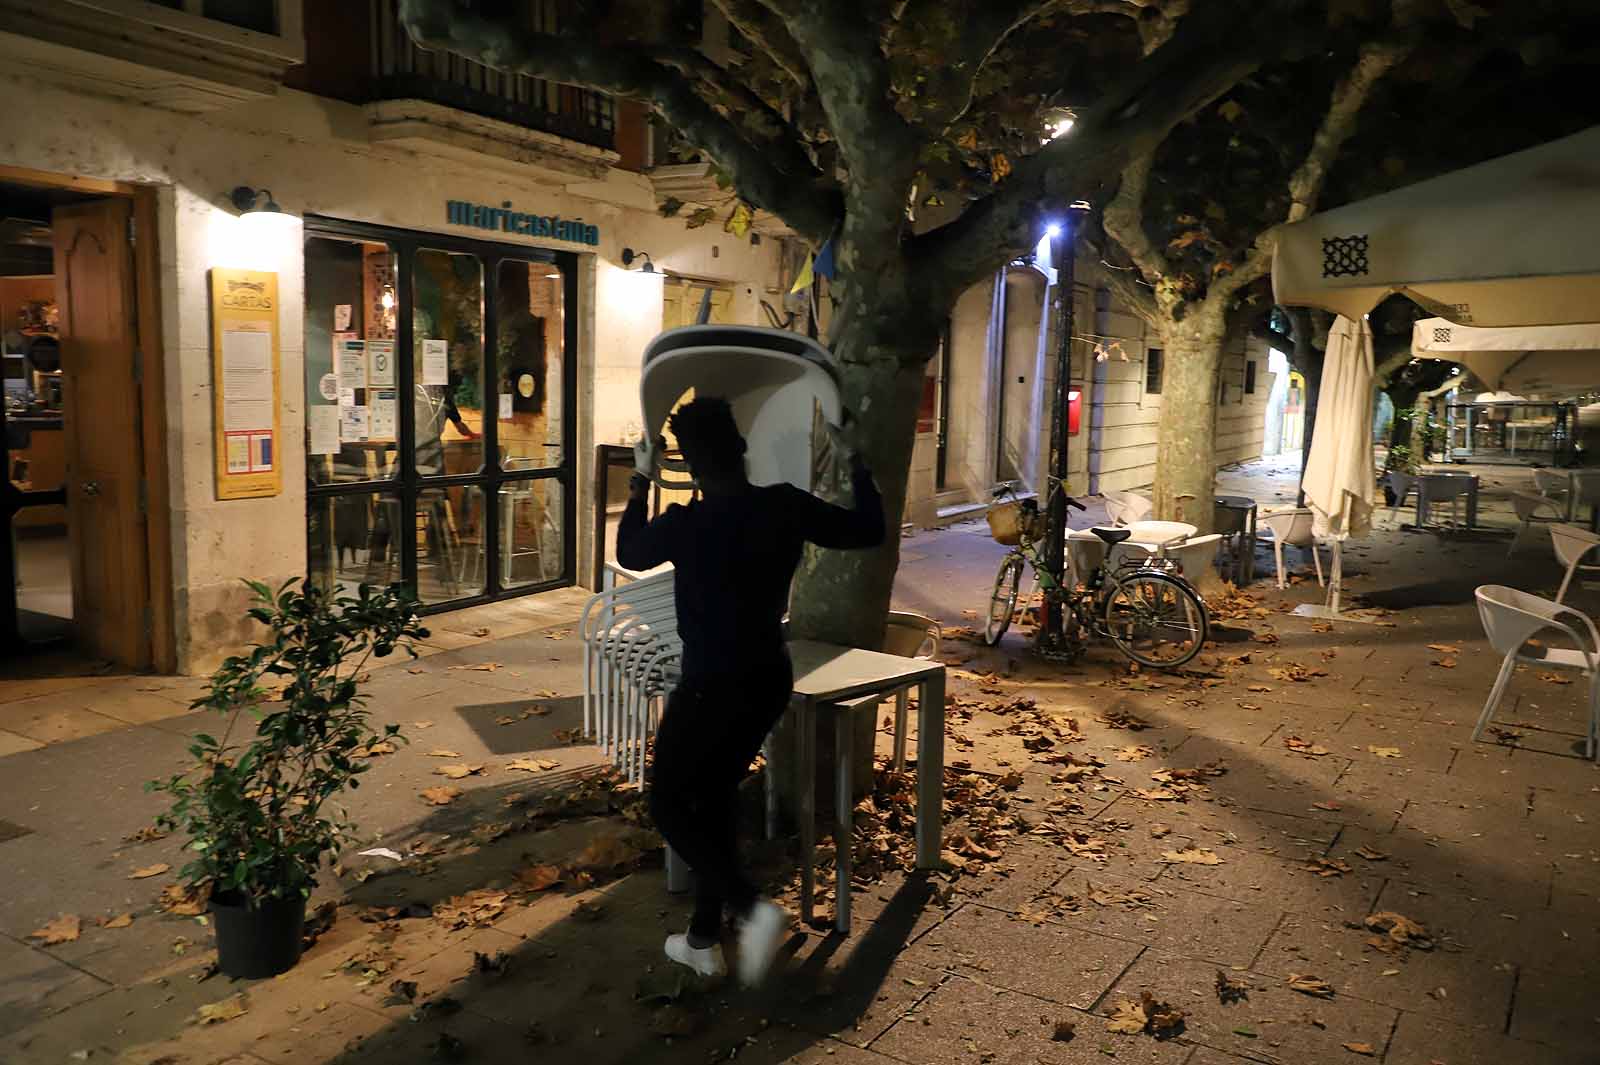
point(505, 220)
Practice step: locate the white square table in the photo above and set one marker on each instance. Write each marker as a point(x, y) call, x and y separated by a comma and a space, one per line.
point(827, 673)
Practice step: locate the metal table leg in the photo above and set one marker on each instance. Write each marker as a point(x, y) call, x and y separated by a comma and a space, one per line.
point(930, 770)
point(844, 807)
point(806, 746)
point(900, 700)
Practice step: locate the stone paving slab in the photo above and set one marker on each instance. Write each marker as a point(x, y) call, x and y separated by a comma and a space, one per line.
point(965, 1020)
point(1268, 1023)
point(1424, 1040)
point(1066, 966)
point(1281, 883)
point(1474, 988)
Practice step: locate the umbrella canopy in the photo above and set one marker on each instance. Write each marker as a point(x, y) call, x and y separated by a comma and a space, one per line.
point(1520, 359)
point(1339, 478)
point(1513, 241)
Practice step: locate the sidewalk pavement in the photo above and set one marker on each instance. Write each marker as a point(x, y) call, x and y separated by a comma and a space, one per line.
point(1295, 850)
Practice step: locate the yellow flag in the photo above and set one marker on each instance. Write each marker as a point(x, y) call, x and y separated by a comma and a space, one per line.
point(803, 281)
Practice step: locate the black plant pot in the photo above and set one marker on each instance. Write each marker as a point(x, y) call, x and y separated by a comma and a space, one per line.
point(259, 940)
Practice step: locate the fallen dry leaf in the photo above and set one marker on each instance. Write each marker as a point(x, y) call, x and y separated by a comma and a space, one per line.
point(1328, 867)
point(1371, 855)
point(1364, 1049)
point(1232, 988)
point(480, 632)
point(1134, 753)
point(441, 796)
point(456, 772)
point(1555, 678)
point(1258, 688)
point(1310, 985)
point(1442, 663)
point(539, 877)
point(226, 1010)
point(1327, 806)
point(1385, 752)
point(1127, 1017)
point(421, 724)
point(441, 752)
point(1400, 929)
point(373, 750)
point(1306, 747)
point(1159, 830)
point(63, 929)
point(534, 765)
point(149, 871)
point(122, 921)
point(181, 900)
point(505, 721)
point(1445, 648)
point(1192, 856)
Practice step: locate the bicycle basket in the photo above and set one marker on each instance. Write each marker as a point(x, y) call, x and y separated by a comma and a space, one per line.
point(1011, 523)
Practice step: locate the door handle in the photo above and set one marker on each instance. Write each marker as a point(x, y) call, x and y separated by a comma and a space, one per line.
point(91, 488)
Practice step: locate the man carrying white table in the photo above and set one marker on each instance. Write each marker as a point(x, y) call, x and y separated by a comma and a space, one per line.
point(734, 553)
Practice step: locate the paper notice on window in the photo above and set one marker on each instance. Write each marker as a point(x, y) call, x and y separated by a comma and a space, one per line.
point(247, 400)
point(322, 429)
point(505, 406)
point(351, 367)
point(436, 362)
point(353, 424)
point(383, 409)
point(342, 316)
point(380, 364)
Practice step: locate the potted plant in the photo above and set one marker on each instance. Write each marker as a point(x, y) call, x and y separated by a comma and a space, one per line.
point(257, 814)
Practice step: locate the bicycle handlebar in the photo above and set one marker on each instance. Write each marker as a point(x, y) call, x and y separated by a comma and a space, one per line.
point(1006, 488)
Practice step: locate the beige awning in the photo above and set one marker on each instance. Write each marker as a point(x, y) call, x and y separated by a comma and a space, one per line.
point(1513, 241)
point(1546, 359)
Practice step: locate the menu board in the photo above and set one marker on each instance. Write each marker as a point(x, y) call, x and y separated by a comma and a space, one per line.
point(244, 383)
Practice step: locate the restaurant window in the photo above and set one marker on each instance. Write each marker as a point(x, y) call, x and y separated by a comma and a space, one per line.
point(1250, 377)
point(1152, 371)
point(438, 379)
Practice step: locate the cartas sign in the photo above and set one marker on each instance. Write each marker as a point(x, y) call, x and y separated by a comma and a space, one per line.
point(505, 220)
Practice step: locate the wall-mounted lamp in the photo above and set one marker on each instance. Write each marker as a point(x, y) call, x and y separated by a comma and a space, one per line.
point(629, 255)
point(259, 213)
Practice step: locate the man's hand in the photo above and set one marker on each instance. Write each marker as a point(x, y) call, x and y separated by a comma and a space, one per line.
point(647, 457)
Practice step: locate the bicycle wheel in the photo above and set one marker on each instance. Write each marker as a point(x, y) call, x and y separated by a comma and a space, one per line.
point(1003, 601)
point(1156, 619)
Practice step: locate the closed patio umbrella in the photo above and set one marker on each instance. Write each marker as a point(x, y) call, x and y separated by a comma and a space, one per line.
point(1513, 241)
point(1338, 480)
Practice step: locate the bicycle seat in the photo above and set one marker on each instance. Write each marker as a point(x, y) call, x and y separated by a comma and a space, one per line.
point(1112, 536)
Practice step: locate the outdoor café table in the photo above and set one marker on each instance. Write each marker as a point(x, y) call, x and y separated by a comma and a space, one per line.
point(1443, 487)
point(1584, 491)
point(1244, 526)
point(826, 673)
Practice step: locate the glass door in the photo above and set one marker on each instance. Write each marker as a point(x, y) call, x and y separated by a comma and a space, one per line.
point(439, 453)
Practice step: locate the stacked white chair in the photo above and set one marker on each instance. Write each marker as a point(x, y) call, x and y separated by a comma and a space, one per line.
point(631, 656)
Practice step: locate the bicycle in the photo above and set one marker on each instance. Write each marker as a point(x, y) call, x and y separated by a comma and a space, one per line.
point(1144, 605)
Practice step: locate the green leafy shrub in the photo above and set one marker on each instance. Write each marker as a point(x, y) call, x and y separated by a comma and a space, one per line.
point(257, 814)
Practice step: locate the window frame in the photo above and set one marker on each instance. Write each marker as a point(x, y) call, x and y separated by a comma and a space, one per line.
point(1155, 363)
point(490, 476)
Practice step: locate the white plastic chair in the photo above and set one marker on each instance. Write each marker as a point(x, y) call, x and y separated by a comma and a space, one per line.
point(1402, 485)
point(1510, 619)
point(1125, 508)
point(1532, 510)
point(1573, 543)
point(1292, 527)
point(1555, 486)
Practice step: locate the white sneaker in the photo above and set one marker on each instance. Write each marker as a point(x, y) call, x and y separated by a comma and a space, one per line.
point(707, 961)
point(759, 939)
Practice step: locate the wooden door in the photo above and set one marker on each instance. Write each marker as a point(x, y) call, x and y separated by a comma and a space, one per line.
point(106, 526)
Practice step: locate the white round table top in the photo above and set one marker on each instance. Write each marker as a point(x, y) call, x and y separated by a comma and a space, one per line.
point(1160, 532)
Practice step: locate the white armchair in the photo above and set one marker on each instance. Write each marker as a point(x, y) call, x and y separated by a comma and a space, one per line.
point(1292, 527)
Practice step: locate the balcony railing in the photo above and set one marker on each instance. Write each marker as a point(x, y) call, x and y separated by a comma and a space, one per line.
point(401, 70)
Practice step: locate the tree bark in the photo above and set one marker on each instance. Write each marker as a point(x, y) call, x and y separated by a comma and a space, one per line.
point(1186, 443)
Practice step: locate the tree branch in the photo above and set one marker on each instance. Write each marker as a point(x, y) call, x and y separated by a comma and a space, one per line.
point(764, 30)
point(1305, 184)
point(777, 176)
point(1123, 219)
point(1210, 52)
point(851, 74)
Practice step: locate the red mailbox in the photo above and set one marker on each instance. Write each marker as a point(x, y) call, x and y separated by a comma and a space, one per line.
point(1074, 411)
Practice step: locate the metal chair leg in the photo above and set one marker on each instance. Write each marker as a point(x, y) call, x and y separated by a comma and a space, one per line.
point(844, 822)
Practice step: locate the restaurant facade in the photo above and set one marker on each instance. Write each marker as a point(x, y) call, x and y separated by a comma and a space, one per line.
point(360, 325)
